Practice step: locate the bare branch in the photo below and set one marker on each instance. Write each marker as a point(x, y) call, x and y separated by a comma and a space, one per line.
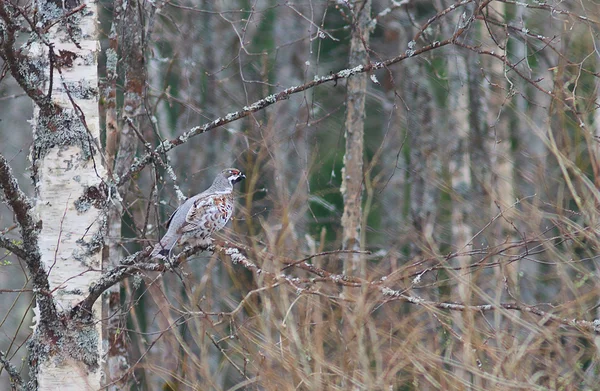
point(11, 246)
point(130, 266)
point(324, 253)
point(236, 257)
point(16, 381)
point(21, 206)
point(259, 105)
point(232, 251)
point(17, 62)
point(138, 262)
point(13, 195)
point(584, 325)
point(551, 8)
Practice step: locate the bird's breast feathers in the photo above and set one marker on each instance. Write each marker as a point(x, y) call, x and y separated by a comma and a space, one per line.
point(209, 214)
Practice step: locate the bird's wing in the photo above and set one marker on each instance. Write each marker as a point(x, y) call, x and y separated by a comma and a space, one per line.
point(171, 217)
point(198, 213)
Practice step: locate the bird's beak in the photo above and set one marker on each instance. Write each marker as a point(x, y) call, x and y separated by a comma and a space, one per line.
point(240, 178)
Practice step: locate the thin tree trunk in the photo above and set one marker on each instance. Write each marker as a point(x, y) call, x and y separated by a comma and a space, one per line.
point(424, 161)
point(461, 183)
point(352, 172)
point(357, 364)
point(117, 361)
point(70, 189)
point(501, 188)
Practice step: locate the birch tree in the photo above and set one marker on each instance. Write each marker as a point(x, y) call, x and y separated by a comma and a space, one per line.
point(63, 227)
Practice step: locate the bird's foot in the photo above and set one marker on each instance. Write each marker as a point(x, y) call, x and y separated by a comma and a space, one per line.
point(170, 263)
point(205, 243)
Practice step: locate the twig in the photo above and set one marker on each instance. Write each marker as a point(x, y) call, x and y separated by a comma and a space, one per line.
point(71, 12)
point(15, 290)
point(551, 8)
point(13, 96)
point(395, 5)
point(11, 246)
point(325, 253)
point(224, 353)
point(585, 325)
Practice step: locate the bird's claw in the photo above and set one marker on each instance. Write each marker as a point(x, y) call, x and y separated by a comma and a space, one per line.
point(170, 264)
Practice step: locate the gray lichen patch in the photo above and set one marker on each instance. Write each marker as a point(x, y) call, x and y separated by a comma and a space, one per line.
point(82, 205)
point(76, 340)
point(82, 89)
point(38, 353)
point(60, 129)
point(49, 11)
point(85, 346)
point(89, 59)
point(76, 291)
point(33, 72)
point(70, 29)
point(92, 196)
point(95, 244)
point(112, 59)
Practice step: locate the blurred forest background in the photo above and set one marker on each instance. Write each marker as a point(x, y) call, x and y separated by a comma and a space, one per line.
point(474, 258)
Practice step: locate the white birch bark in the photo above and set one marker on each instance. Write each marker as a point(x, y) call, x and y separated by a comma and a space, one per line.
point(69, 176)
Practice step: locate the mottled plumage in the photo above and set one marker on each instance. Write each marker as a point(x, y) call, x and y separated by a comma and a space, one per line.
point(201, 215)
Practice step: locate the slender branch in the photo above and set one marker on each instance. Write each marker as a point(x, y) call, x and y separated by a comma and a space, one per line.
point(551, 8)
point(15, 290)
point(386, 11)
point(16, 61)
point(138, 262)
point(15, 198)
point(11, 246)
point(585, 325)
point(322, 254)
point(390, 294)
point(22, 206)
point(15, 377)
point(234, 253)
point(167, 145)
point(61, 18)
point(129, 266)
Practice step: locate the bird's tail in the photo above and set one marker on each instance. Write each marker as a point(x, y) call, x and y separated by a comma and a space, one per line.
point(163, 248)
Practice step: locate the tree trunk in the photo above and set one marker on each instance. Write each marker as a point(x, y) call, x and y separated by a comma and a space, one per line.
point(356, 364)
point(70, 197)
point(121, 146)
point(462, 191)
point(352, 172)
